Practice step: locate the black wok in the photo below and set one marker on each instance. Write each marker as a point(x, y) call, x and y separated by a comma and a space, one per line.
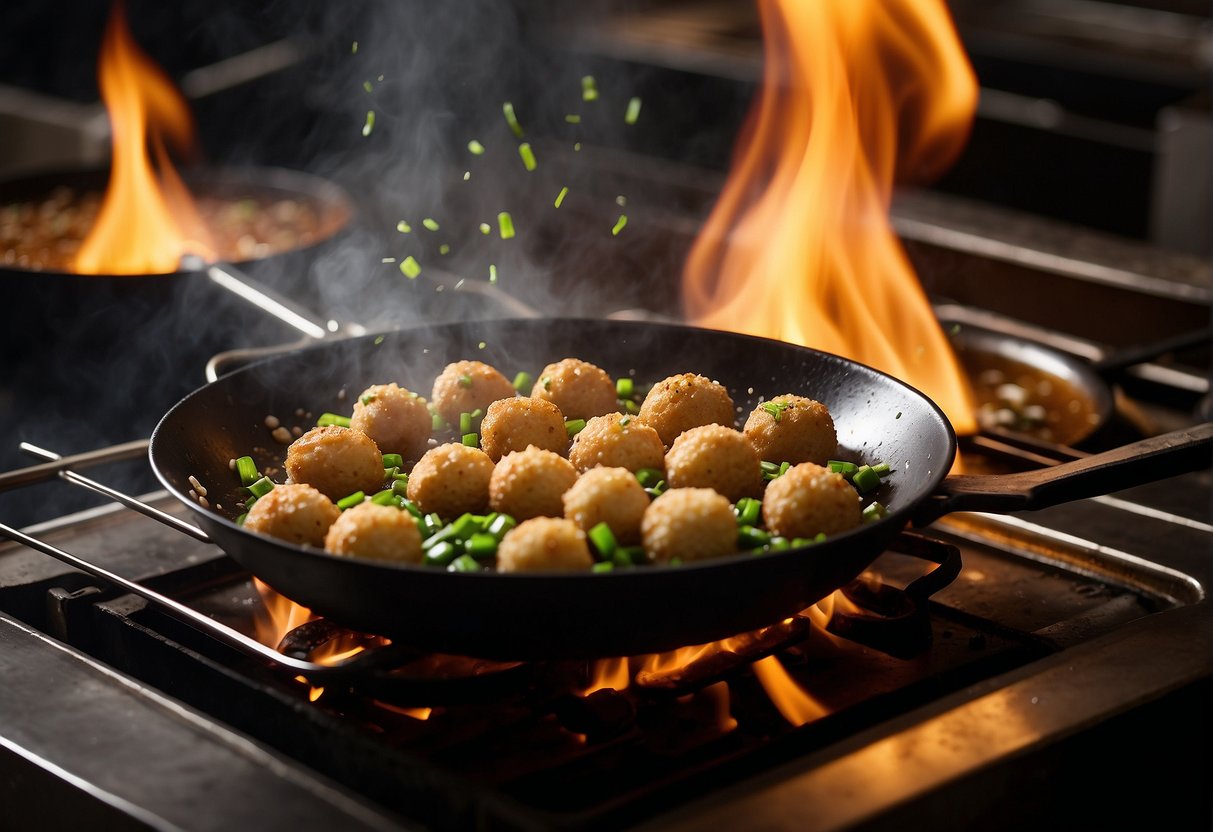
point(626, 612)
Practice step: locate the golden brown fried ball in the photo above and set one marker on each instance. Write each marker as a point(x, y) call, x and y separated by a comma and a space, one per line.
point(294, 512)
point(716, 457)
point(683, 402)
point(450, 480)
point(689, 524)
point(517, 424)
point(809, 500)
point(617, 441)
point(580, 389)
point(608, 495)
point(544, 543)
point(530, 483)
point(467, 386)
point(803, 431)
point(373, 531)
point(397, 419)
point(337, 461)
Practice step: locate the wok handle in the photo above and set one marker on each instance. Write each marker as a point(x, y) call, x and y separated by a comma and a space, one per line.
point(1156, 458)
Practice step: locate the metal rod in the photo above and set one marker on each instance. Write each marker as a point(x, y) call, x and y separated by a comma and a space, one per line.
point(119, 497)
point(50, 470)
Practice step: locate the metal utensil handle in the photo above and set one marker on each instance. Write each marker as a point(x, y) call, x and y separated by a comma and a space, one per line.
point(1156, 458)
point(50, 470)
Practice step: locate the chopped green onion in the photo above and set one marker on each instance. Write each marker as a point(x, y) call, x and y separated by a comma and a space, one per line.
point(882, 468)
point(778, 544)
point(472, 440)
point(624, 422)
point(508, 109)
point(247, 469)
point(411, 507)
point(366, 85)
point(748, 510)
point(400, 485)
point(523, 381)
point(560, 197)
point(261, 487)
point(481, 546)
point(783, 468)
point(631, 407)
point(621, 200)
point(750, 537)
point(354, 48)
point(623, 557)
point(840, 466)
point(492, 273)
point(625, 388)
point(367, 399)
point(465, 422)
point(465, 526)
point(475, 148)
point(604, 566)
point(873, 512)
point(430, 224)
point(589, 89)
point(619, 224)
point(528, 156)
point(768, 467)
point(403, 227)
point(865, 479)
point(465, 380)
point(501, 525)
point(437, 423)
point(467, 175)
point(574, 426)
point(464, 563)
point(444, 249)
point(572, 118)
point(505, 224)
point(387, 497)
point(249, 502)
point(409, 267)
point(603, 540)
point(326, 419)
point(546, 381)
point(393, 461)
point(649, 476)
point(485, 228)
point(576, 146)
point(351, 501)
point(240, 520)
point(432, 524)
point(370, 123)
point(776, 409)
point(441, 553)
point(633, 112)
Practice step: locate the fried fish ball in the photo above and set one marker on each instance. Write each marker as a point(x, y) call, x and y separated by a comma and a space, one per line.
point(617, 441)
point(294, 512)
point(580, 389)
point(450, 480)
point(809, 500)
point(683, 402)
point(396, 418)
point(716, 457)
point(608, 495)
point(544, 543)
point(373, 531)
point(802, 432)
point(530, 483)
point(466, 386)
point(337, 461)
point(689, 524)
point(518, 423)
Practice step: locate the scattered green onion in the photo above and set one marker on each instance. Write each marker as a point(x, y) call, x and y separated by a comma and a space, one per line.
point(485, 228)
point(560, 197)
point(441, 554)
point(865, 479)
point(261, 487)
point(472, 440)
point(430, 224)
point(589, 89)
point(501, 525)
point(619, 225)
point(649, 477)
point(572, 118)
point(750, 537)
point(623, 557)
point(625, 421)
point(574, 426)
point(467, 175)
point(240, 520)
point(366, 85)
point(354, 48)
point(546, 381)
point(621, 200)
point(475, 148)
point(882, 468)
point(840, 466)
point(387, 497)
point(778, 544)
point(410, 268)
point(492, 273)
point(393, 461)
point(482, 546)
point(604, 566)
point(776, 409)
point(625, 388)
point(465, 380)
point(508, 109)
point(576, 146)
point(437, 423)
point(873, 512)
point(464, 563)
point(783, 468)
point(247, 469)
point(351, 501)
point(400, 485)
point(465, 422)
point(528, 156)
point(633, 112)
point(326, 419)
point(748, 511)
point(603, 540)
point(465, 526)
point(403, 227)
point(370, 123)
point(431, 524)
point(505, 223)
point(631, 407)
point(444, 249)
point(523, 382)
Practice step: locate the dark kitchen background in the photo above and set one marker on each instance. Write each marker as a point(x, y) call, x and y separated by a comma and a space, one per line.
point(1078, 213)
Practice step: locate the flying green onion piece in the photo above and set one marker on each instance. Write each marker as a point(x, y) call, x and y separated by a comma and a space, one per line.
point(393, 461)
point(604, 566)
point(865, 479)
point(631, 407)
point(648, 477)
point(621, 200)
point(261, 487)
point(326, 419)
point(523, 382)
point(481, 546)
point(430, 224)
point(472, 440)
point(351, 501)
point(505, 223)
point(528, 156)
point(247, 469)
point(467, 175)
point(436, 422)
point(633, 112)
point(465, 380)
point(403, 227)
point(576, 147)
point(370, 123)
point(465, 422)
point(873, 512)
point(464, 563)
point(410, 268)
point(387, 497)
point(625, 388)
point(508, 109)
point(441, 554)
point(572, 118)
point(589, 89)
point(574, 426)
point(560, 196)
point(492, 273)
point(485, 228)
point(619, 224)
point(603, 540)
point(475, 148)
point(366, 85)
point(444, 249)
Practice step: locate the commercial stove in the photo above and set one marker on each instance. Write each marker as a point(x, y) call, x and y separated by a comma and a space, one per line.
point(1050, 668)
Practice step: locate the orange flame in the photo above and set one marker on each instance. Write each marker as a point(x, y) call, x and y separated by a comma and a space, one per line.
point(789, 698)
point(799, 247)
point(609, 673)
point(146, 223)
